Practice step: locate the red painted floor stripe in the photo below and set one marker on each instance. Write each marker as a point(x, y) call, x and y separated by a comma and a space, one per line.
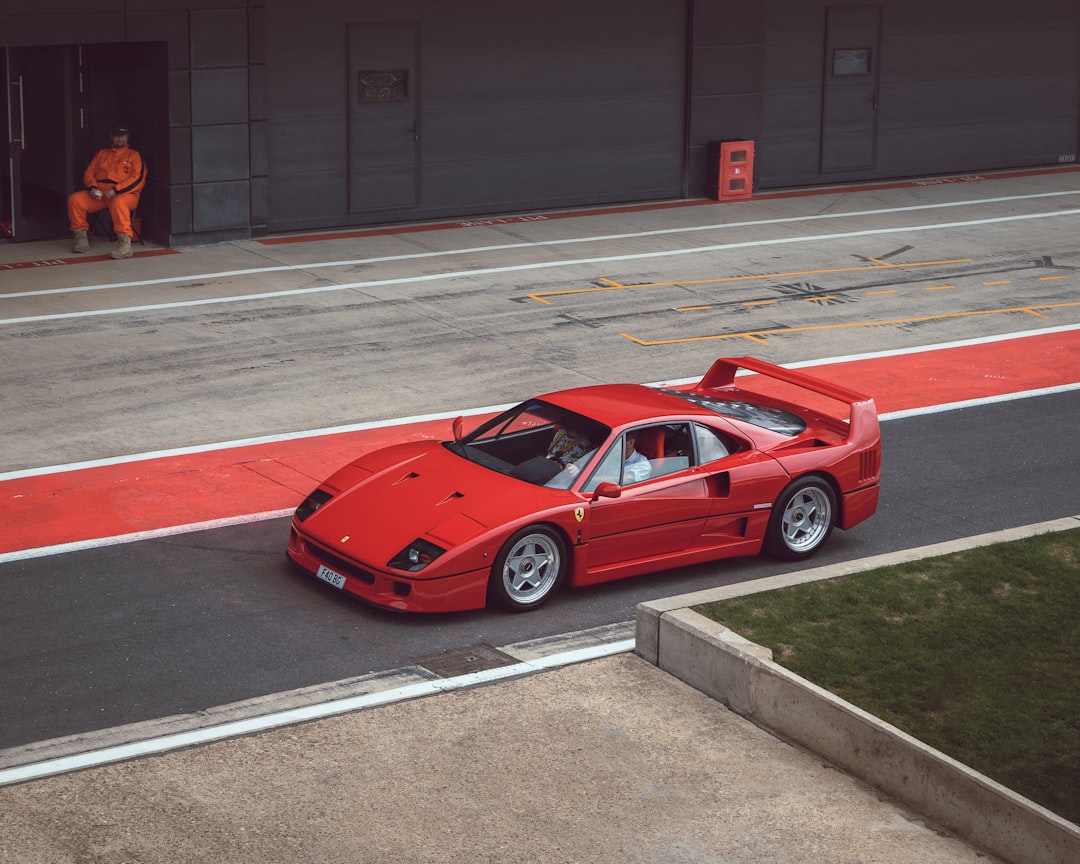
point(660, 205)
point(160, 493)
point(82, 259)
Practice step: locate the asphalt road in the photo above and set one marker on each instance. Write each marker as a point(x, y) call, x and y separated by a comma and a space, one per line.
point(104, 637)
point(111, 358)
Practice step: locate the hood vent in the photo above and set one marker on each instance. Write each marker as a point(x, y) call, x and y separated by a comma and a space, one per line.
point(453, 496)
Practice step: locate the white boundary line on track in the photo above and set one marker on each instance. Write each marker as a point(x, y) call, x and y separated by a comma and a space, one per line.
point(492, 409)
point(78, 546)
point(518, 268)
point(600, 238)
point(247, 519)
point(252, 725)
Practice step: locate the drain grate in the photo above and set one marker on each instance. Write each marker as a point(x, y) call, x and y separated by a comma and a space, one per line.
point(461, 661)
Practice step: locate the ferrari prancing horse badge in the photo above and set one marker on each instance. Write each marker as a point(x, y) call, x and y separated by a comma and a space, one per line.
point(579, 513)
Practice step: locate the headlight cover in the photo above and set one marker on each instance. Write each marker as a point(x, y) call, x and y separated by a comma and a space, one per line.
point(312, 503)
point(416, 556)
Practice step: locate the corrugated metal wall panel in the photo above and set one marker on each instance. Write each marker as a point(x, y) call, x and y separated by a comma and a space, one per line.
point(519, 106)
point(967, 85)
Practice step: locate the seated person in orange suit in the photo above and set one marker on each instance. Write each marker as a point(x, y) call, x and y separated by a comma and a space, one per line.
point(114, 180)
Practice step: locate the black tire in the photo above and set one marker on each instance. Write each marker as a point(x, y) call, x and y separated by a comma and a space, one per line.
point(528, 569)
point(802, 519)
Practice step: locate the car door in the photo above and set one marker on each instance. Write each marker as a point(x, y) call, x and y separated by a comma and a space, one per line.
point(658, 516)
point(742, 484)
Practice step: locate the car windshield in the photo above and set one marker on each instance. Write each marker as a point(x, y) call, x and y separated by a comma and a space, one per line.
point(774, 419)
point(536, 442)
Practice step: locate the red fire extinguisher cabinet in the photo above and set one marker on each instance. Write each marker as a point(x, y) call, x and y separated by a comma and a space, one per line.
point(730, 170)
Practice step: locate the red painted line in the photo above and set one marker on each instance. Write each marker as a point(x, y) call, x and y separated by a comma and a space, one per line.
point(663, 205)
point(480, 222)
point(920, 183)
point(81, 259)
point(115, 500)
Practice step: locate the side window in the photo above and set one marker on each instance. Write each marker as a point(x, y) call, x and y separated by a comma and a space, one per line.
point(609, 469)
point(710, 446)
point(669, 448)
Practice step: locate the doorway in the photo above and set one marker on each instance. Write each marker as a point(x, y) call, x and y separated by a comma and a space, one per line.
point(383, 125)
point(57, 105)
point(850, 93)
point(38, 108)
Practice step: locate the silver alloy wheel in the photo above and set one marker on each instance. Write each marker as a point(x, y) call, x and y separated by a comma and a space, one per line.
point(807, 519)
point(531, 568)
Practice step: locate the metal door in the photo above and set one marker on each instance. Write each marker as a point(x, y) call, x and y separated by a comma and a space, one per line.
point(37, 112)
point(850, 92)
point(383, 105)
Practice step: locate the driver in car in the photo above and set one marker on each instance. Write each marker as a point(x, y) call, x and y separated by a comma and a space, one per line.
point(567, 446)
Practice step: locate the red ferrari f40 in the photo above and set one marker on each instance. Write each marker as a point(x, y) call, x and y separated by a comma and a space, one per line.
point(597, 483)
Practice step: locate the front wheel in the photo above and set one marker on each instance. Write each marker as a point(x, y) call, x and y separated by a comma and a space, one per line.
point(528, 569)
point(802, 519)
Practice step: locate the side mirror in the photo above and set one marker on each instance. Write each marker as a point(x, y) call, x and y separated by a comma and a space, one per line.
point(458, 427)
point(607, 490)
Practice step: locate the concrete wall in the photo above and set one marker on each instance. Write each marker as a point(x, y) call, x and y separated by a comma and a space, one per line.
point(742, 675)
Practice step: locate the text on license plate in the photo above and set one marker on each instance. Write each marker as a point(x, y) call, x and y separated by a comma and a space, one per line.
point(328, 575)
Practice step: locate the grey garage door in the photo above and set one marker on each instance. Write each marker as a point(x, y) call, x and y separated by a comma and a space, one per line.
point(501, 106)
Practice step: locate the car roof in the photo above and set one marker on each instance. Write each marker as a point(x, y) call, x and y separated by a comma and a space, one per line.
point(620, 404)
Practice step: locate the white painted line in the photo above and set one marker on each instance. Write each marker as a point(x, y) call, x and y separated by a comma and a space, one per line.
point(243, 442)
point(137, 536)
point(900, 352)
point(517, 268)
point(601, 238)
point(491, 409)
point(237, 728)
point(975, 403)
point(78, 546)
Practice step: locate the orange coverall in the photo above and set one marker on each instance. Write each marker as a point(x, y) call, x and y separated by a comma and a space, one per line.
point(121, 170)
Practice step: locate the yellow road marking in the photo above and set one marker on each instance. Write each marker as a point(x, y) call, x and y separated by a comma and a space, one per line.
point(759, 335)
point(1003, 282)
point(611, 285)
point(1049, 278)
point(939, 287)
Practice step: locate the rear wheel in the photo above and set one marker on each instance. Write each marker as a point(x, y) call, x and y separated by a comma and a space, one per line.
point(528, 569)
point(802, 519)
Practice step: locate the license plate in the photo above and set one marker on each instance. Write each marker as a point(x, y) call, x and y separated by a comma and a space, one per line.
point(328, 575)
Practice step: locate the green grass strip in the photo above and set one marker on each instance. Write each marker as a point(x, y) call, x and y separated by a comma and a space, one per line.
point(976, 654)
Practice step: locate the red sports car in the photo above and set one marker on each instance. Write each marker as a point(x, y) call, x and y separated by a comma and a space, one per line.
point(596, 483)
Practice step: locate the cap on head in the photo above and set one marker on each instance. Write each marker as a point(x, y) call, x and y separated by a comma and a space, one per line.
point(120, 129)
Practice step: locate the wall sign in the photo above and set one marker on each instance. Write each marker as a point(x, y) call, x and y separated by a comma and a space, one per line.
point(851, 61)
point(384, 85)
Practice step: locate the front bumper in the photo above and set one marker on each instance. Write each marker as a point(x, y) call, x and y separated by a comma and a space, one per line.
point(389, 588)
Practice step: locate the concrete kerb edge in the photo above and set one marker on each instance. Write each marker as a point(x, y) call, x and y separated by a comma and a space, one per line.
point(742, 675)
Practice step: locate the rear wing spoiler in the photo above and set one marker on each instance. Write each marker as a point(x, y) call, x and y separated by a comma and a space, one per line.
point(863, 422)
